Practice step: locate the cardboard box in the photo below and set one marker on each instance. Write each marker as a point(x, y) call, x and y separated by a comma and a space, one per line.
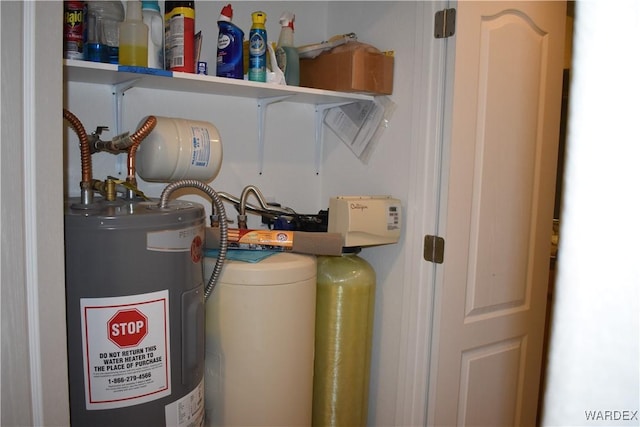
point(355, 70)
point(303, 242)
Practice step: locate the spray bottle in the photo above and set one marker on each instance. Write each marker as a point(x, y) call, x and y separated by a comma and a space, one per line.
point(230, 60)
point(286, 53)
point(133, 37)
point(258, 48)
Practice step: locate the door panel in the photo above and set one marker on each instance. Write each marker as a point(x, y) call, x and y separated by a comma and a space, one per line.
point(491, 377)
point(491, 289)
point(495, 285)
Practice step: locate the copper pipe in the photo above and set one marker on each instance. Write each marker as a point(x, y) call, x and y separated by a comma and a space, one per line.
point(85, 152)
point(137, 138)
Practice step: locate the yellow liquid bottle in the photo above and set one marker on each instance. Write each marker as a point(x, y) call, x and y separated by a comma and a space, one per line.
point(133, 37)
point(135, 55)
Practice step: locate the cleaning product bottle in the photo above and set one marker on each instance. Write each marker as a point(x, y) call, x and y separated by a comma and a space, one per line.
point(75, 14)
point(230, 59)
point(152, 17)
point(286, 53)
point(258, 48)
point(179, 36)
point(103, 31)
point(133, 37)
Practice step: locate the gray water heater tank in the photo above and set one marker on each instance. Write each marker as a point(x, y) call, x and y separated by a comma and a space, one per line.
point(135, 313)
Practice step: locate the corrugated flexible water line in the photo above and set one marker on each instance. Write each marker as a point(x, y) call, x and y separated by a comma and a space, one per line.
point(222, 254)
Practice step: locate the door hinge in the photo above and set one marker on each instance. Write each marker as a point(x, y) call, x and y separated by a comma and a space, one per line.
point(445, 23)
point(433, 249)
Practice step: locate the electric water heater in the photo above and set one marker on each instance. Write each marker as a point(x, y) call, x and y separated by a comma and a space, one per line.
point(135, 313)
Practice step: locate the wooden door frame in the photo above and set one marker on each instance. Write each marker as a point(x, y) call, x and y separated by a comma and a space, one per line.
point(33, 266)
point(429, 135)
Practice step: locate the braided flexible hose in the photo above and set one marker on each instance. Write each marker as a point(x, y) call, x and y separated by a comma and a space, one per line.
point(222, 254)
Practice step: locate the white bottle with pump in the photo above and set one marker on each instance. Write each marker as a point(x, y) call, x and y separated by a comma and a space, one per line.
point(153, 19)
point(286, 52)
point(133, 37)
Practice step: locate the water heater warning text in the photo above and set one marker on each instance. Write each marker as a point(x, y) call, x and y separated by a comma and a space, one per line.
point(126, 349)
point(127, 359)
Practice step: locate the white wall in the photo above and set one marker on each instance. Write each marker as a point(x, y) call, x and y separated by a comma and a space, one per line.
point(594, 359)
point(388, 26)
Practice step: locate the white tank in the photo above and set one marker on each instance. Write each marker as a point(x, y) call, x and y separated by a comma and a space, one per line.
point(260, 332)
point(180, 149)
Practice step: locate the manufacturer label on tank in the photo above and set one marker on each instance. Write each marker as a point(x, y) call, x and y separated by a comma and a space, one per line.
point(201, 141)
point(182, 240)
point(125, 343)
point(187, 411)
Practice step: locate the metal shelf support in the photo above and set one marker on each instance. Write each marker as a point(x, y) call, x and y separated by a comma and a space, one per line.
point(118, 90)
point(319, 128)
point(263, 103)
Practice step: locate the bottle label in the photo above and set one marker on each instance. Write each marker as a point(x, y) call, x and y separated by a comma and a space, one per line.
point(257, 45)
point(281, 59)
point(179, 40)
point(223, 41)
point(74, 29)
point(258, 56)
point(230, 59)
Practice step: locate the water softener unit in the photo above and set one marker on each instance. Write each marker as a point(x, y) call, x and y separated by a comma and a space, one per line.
point(260, 342)
point(345, 308)
point(260, 336)
point(344, 329)
point(135, 297)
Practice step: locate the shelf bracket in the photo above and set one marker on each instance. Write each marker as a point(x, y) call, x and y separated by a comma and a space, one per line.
point(118, 90)
point(263, 103)
point(320, 113)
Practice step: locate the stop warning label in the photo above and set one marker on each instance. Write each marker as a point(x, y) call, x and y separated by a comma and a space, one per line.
point(127, 328)
point(126, 349)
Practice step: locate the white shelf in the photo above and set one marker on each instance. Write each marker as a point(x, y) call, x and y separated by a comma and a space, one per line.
point(99, 73)
point(264, 93)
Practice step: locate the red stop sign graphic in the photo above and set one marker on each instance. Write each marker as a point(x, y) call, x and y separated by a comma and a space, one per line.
point(127, 328)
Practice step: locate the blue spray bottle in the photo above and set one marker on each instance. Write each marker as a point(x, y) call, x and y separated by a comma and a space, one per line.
point(258, 48)
point(229, 62)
